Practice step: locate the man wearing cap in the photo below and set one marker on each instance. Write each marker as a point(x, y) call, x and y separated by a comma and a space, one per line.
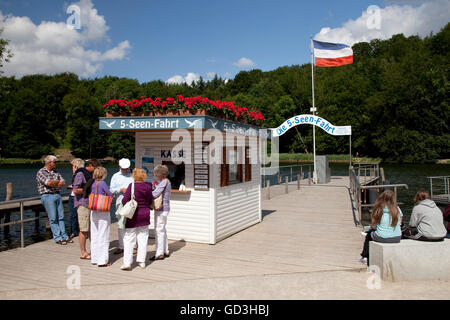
point(119, 183)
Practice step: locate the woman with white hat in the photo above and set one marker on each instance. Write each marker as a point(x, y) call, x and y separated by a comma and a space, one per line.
point(119, 184)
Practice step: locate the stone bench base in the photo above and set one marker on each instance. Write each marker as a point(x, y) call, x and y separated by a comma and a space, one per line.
point(411, 260)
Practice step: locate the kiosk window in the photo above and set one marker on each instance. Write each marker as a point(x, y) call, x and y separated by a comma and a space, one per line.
point(248, 166)
point(231, 169)
point(176, 173)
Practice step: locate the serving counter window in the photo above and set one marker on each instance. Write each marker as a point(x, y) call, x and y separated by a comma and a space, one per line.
point(232, 166)
point(176, 173)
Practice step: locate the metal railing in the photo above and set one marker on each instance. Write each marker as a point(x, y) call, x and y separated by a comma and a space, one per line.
point(356, 191)
point(292, 171)
point(440, 188)
point(21, 205)
point(366, 171)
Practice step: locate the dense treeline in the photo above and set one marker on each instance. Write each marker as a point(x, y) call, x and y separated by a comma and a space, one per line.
point(395, 96)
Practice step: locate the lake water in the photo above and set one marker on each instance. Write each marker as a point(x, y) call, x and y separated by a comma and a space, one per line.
point(24, 186)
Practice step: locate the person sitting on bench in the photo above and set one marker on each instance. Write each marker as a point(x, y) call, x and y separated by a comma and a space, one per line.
point(426, 223)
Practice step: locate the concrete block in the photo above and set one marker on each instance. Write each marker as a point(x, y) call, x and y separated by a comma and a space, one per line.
point(411, 260)
point(323, 169)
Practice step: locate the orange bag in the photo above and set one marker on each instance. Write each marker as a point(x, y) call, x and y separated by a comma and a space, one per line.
point(99, 202)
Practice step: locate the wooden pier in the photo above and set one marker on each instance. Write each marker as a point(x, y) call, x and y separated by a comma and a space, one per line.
point(306, 247)
point(21, 205)
point(307, 230)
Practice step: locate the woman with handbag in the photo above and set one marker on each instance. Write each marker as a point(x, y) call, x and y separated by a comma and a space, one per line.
point(100, 203)
point(136, 228)
point(163, 189)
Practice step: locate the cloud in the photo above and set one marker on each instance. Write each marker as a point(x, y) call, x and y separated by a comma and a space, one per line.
point(52, 47)
point(244, 63)
point(211, 75)
point(190, 77)
point(383, 23)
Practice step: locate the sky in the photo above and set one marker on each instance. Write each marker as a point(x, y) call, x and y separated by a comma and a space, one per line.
point(182, 40)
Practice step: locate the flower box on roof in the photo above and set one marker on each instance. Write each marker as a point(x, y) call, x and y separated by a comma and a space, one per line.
point(182, 106)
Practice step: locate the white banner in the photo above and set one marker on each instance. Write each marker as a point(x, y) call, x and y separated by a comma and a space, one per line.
point(314, 120)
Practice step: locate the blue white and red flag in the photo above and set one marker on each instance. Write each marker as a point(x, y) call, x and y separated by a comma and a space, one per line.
point(327, 54)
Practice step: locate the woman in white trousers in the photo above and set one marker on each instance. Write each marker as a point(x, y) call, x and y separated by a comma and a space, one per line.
point(136, 228)
point(100, 222)
point(164, 188)
point(130, 237)
point(100, 229)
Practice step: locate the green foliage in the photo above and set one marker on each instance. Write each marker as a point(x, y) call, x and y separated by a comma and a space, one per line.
point(5, 53)
point(394, 95)
point(27, 133)
point(121, 145)
point(82, 134)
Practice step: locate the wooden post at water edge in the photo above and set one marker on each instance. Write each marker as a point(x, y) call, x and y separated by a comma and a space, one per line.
point(9, 192)
point(286, 182)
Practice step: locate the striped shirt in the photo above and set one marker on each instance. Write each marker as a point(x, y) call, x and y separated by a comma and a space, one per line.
point(43, 177)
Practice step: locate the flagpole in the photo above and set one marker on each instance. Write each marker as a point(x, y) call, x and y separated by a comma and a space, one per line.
point(313, 109)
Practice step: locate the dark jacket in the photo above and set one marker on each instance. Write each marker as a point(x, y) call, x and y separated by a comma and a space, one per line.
point(89, 181)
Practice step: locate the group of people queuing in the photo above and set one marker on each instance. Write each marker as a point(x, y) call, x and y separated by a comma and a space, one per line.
point(88, 177)
point(427, 222)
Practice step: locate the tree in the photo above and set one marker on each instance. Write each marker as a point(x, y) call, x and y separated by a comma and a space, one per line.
point(5, 53)
point(82, 134)
point(28, 133)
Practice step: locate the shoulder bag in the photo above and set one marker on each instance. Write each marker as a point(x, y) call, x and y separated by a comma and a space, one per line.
point(99, 202)
point(157, 203)
point(130, 207)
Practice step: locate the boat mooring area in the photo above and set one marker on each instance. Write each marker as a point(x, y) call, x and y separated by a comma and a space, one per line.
point(306, 247)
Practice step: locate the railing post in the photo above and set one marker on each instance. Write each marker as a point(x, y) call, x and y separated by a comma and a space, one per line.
point(448, 189)
point(298, 181)
point(36, 222)
point(268, 189)
point(431, 187)
point(286, 182)
point(22, 239)
point(359, 203)
point(309, 176)
point(7, 219)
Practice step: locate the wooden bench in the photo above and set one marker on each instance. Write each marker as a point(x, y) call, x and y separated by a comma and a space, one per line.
point(411, 260)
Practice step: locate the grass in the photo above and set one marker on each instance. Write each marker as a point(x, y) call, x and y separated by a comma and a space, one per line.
point(19, 161)
point(304, 157)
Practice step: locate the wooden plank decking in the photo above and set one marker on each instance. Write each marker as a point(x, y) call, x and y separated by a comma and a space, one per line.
point(307, 230)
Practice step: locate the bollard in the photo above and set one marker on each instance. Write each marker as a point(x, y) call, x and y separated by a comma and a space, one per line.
point(9, 191)
point(298, 181)
point(309, 177)
point(286, 181)
point(268, 189)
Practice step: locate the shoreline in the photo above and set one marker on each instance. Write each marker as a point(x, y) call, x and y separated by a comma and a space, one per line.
point(12, 161)
point(41, 161)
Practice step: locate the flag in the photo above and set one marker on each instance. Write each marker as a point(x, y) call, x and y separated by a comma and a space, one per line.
point(327, 54)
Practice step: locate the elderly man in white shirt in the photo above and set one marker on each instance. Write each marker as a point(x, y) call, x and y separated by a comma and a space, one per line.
point(119, 183)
